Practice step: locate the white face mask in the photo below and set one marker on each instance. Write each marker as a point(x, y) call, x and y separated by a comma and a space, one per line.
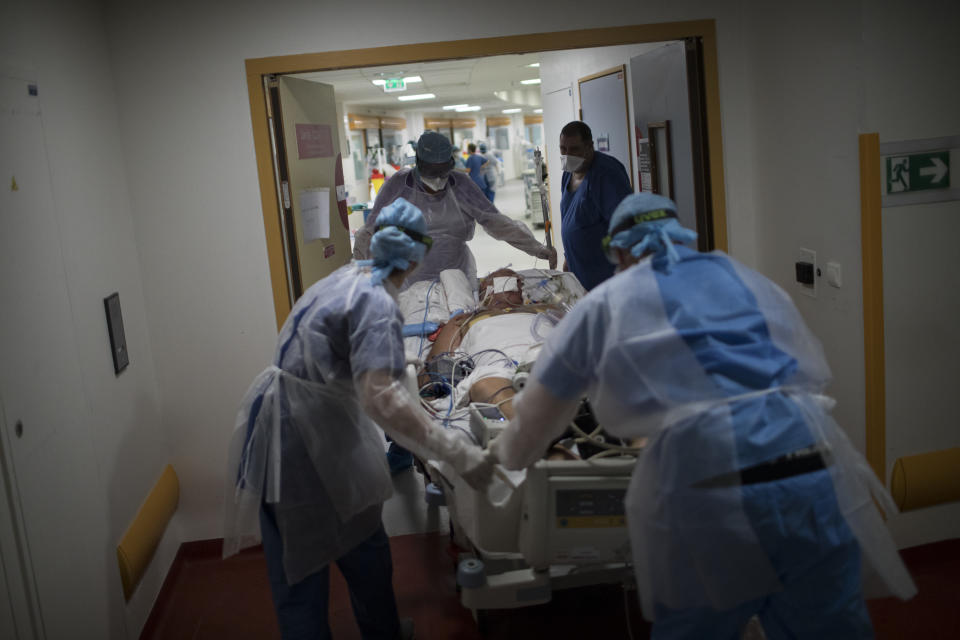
point(437, 184)
point(571, 163)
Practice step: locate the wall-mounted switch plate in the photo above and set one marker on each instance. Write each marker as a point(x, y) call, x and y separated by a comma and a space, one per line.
point(806, 266)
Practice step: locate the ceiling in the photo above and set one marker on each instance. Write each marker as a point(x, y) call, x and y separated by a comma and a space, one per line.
point(493, 83)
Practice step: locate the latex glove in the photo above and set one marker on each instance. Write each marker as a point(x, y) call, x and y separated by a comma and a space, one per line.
point(475, 467)
point(552, 258)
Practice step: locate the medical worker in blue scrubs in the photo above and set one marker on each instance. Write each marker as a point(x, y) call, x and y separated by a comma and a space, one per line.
point(306, 466)
point(749, 499)
point(593, 185)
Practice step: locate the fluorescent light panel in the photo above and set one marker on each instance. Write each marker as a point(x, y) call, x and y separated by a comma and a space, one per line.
point(418, 96)
point(467, 108)
point(534, 64)
point(531, 81)
point(412, 79)
point(512, 110)
point(451, 107)
point(538, 110)
point(379, 83)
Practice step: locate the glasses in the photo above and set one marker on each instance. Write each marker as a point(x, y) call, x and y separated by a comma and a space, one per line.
point(413, 235)
point(640, 218)
point(435, 170)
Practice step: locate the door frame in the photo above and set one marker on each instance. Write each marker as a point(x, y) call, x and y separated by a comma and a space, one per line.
point(257, 68)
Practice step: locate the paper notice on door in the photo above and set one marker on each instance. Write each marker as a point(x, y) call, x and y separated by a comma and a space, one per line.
point(315, 213)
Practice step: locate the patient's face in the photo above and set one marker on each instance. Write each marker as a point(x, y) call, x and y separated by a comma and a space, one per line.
point(501, 299)
point(504, 300)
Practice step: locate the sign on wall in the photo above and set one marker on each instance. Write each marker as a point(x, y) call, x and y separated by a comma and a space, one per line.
point(918, 171)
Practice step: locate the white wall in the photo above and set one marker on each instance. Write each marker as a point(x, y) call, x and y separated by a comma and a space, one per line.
point(65, 42)
point(791, 93)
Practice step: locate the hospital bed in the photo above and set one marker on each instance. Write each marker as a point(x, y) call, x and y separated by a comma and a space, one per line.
point(556, 525)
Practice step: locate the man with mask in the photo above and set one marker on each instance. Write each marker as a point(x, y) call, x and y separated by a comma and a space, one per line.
point(593, 184)
point(306, 460)
point(452, 205)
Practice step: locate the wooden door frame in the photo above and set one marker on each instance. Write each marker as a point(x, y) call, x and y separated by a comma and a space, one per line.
point(874, 358)
point(257, 68)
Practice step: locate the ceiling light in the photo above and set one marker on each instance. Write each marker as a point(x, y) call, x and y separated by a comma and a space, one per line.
point(534, 64)
point(418, 96)
point(517, 110)
point(412, 79)
point(466, 108)
point(538, 110)
point(379, 82)
point(451, 107)
point(531, 81)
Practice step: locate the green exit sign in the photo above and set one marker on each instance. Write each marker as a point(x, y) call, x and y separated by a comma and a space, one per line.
point(394, 84)
point(918, 171)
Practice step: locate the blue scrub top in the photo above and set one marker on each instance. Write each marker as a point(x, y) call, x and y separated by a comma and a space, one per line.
point(585, 215)
point(474, 162)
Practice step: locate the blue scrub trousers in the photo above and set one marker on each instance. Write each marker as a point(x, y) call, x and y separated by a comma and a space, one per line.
point(816, 557)
point(303, 609)
point(490, 193)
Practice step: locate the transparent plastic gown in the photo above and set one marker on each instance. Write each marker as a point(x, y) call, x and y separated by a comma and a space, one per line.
point(452, 216)
point(714, 364)
point(305, 440)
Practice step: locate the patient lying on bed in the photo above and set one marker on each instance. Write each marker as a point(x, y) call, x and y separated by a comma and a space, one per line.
point(480, 352)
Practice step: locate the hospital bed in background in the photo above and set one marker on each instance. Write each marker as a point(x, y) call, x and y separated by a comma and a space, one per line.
point(556, 525)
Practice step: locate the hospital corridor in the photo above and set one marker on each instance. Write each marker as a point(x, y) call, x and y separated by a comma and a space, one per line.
point(388, 321)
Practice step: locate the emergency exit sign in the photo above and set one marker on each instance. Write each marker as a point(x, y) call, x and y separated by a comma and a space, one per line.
point(918, 171)
point(394, 84)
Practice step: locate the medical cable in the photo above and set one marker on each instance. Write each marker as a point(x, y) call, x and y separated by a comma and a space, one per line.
point(426, 311)
point(591, 438)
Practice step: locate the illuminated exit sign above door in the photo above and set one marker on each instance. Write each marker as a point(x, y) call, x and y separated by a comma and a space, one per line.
point(917, 172)
point(394, 84)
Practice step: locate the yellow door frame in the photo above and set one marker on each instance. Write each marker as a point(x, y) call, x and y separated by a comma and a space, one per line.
point(871, 248)
point(257, 68)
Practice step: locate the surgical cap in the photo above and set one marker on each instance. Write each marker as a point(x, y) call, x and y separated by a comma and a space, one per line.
point(434, 148)
point(390, 247)
point(483, 147)
point(656, 234)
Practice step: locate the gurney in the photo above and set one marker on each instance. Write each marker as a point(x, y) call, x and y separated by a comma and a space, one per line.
point(557, 525)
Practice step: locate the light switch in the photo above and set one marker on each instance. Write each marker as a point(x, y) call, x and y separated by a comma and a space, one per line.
point(806, 272)
point(834, 277)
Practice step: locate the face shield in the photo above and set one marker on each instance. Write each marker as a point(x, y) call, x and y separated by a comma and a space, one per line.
point(435, 175)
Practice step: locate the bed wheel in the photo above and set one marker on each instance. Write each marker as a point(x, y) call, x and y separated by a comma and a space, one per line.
point(471, 573)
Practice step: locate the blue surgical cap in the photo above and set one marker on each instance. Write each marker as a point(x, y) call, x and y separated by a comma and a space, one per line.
point(390, 246)
point(434, 148)
point(656, 234)
point(483, 147)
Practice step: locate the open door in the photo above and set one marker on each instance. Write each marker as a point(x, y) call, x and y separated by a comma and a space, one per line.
point(310, 171)
point(669, 116)
point(603, 106)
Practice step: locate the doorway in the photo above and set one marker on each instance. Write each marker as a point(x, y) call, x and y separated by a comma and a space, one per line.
point(703, 31)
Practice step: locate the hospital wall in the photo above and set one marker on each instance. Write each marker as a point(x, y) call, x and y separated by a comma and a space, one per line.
point(152, 161)
point(121, 446)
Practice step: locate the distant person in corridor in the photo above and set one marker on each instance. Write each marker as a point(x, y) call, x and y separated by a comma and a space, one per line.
point(593, 184)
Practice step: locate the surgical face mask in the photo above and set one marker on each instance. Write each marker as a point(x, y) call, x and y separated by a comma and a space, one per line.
point(571, 163)
point(437, 184)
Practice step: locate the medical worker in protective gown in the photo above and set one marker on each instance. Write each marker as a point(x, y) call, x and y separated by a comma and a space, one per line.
point(749, 499)
point(452, 205)
point(306, 465)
